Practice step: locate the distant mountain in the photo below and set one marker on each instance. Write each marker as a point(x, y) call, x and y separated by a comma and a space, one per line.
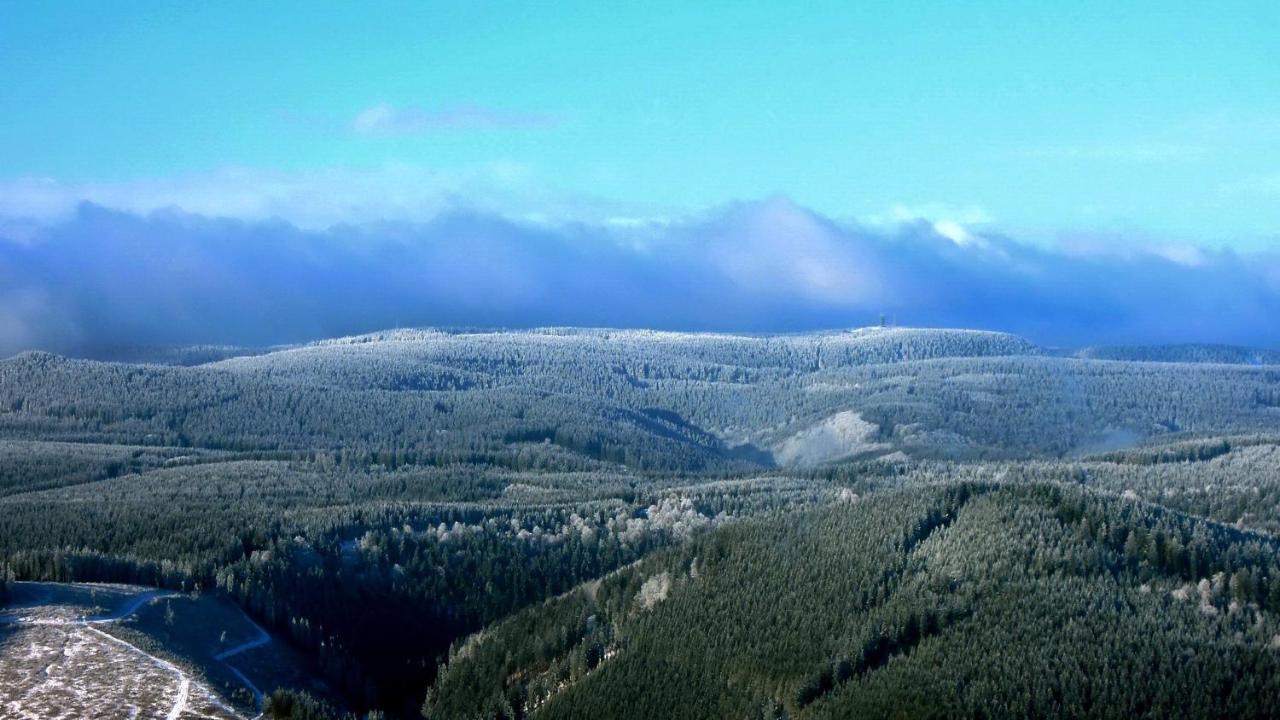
point(184, 355)
point(649, 400)
point(1191, 353)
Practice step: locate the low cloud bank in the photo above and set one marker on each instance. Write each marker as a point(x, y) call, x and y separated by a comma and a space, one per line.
point(104, 278)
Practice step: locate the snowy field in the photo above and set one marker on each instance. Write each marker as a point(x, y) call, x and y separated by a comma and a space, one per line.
point(63, 655)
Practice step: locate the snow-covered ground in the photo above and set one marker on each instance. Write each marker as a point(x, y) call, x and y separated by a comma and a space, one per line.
point(842, 435)
point(59, 660)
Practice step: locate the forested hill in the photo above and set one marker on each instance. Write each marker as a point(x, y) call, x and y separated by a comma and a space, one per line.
point(972, 599)
point(814, 524)
point(652, 401)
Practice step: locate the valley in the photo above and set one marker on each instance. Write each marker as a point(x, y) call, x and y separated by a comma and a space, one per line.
point(568, 522)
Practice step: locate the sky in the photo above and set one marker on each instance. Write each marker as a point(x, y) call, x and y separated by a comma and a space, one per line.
point(1100, 129)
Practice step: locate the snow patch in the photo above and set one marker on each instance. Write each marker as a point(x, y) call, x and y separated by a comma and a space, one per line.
point(654, 590)
point(842, 435)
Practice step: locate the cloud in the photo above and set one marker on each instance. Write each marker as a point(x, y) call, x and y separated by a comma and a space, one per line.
point(319, 198)
point(957, 224)
point(935, 212)
point(1131, 247)
point(101, 278)
point(386, 120)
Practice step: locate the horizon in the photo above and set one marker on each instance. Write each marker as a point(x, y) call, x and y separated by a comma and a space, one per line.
point(177, 175)
point(110, 278)
point(144, 352)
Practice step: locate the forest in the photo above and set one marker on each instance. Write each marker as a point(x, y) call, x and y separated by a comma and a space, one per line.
point(570, 523)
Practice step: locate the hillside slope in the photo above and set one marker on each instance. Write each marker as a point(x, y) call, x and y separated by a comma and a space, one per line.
point(960, 600)
point(650, 401)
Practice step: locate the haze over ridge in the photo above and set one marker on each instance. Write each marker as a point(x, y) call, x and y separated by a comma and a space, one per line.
point(105, 277)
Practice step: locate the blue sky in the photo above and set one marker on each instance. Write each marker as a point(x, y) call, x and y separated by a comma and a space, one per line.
point(1116, 122)
point(272, 172)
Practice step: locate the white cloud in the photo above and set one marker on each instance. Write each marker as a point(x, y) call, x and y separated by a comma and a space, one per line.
point(384, 119)
point(777, 246)
point(1188, 255)
point(957, 224)
point(932, 212)
point(104, 277)
point(28, 318)
point(1130, 246)
point(312, 199)
point(955, 232)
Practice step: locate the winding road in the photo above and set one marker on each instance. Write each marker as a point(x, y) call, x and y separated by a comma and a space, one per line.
point(262, 639)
